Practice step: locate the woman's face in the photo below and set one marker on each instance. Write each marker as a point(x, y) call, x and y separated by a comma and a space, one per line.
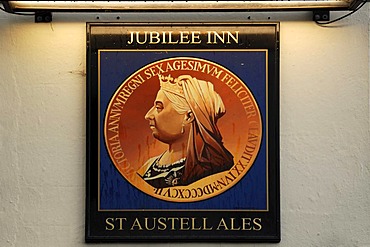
point(165, 122)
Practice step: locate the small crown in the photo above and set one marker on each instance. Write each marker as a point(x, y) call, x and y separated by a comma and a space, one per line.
point(170, 84)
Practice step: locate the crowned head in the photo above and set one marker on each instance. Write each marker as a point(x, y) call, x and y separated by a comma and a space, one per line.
point(172, 85)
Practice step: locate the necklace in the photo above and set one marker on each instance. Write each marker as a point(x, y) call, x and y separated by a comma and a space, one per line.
point(167, 167)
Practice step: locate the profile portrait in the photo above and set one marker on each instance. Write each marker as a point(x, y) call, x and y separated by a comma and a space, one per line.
point(184, 116)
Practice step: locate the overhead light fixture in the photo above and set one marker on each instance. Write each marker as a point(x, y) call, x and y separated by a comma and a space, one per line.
point(321, 8)
point(104, 6)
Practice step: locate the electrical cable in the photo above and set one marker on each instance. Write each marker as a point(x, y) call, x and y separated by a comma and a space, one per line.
point(16, 13)
point(344, 16)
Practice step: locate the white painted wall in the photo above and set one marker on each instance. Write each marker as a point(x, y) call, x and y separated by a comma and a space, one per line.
point(325, 140)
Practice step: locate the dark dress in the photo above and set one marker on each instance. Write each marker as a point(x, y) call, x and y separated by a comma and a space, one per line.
point(164, 175)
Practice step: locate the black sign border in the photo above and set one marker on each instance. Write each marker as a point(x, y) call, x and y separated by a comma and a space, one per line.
point(94, 216)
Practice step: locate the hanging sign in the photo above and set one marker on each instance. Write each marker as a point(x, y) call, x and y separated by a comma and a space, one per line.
point(182, 132)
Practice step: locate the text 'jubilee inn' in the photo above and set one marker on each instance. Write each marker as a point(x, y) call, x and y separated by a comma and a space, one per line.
point(183, 37)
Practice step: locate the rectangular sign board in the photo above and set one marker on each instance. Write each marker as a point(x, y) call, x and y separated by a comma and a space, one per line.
point(182, 132)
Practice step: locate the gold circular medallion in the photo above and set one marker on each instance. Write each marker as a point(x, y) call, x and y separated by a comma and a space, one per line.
point(183, 129)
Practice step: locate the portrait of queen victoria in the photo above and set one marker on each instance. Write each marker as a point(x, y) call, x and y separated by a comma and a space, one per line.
point(184, 116)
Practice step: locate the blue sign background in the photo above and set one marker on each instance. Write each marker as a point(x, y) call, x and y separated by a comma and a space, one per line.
point(118, 194)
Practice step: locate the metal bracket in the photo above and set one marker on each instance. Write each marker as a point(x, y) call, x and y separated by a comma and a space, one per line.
point(321, 15)
point(43, 17)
